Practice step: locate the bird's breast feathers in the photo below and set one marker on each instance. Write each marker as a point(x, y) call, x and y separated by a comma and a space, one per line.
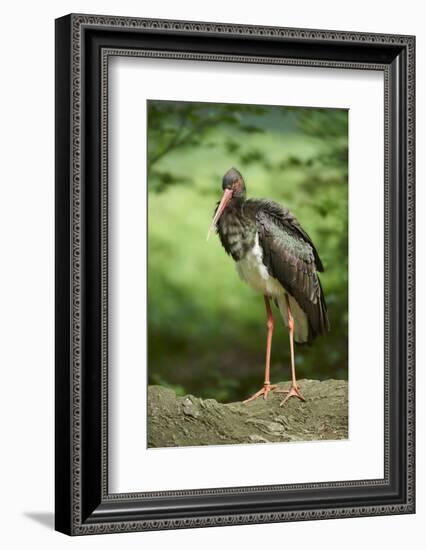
point(253, 271)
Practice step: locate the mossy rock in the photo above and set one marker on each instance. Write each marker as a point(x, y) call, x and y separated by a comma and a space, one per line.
point(191, 421)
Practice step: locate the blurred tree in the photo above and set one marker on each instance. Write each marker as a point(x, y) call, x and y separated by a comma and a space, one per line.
point(174, 126)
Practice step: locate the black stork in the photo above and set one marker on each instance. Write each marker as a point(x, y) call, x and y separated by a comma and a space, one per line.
point(276, 257)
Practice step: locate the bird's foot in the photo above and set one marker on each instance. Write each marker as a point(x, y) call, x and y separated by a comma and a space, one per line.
point(264, 391)
point(294, 391)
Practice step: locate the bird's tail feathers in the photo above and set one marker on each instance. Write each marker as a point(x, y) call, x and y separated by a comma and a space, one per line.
point(307, 325)
point(301, 324)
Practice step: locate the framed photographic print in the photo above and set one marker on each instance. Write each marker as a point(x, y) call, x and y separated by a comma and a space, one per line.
point(234, 274)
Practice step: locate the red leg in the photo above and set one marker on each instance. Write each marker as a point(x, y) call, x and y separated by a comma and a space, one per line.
point(267, 387)
point(294, 388)
point(270, 326)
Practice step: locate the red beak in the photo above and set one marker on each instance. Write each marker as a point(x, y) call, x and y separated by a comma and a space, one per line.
point(227, 196)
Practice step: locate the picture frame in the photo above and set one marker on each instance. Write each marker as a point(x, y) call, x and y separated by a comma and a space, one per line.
point(83, 503)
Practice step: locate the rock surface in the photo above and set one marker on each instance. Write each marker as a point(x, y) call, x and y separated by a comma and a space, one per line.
point(189, 421)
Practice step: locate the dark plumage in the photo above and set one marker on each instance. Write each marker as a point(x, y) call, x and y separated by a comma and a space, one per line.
point(291, 257)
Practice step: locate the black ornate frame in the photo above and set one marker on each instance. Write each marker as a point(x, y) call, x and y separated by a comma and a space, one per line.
point(84, 44)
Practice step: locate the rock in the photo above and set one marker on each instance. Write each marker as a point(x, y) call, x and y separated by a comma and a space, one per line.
point(189, 421)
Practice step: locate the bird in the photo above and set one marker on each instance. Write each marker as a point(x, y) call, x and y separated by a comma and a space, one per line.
point(276, 257)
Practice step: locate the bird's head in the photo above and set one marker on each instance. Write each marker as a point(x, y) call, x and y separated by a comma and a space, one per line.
point(234, 181)
point(233, 186)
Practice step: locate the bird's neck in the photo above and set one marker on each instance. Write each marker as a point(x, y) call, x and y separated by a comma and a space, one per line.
point(237, 228)
point(237, 200)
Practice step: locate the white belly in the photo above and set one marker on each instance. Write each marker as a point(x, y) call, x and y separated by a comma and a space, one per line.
point(253, 271)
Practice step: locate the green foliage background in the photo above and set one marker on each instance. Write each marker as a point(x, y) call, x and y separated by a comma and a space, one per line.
point(206, 331)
